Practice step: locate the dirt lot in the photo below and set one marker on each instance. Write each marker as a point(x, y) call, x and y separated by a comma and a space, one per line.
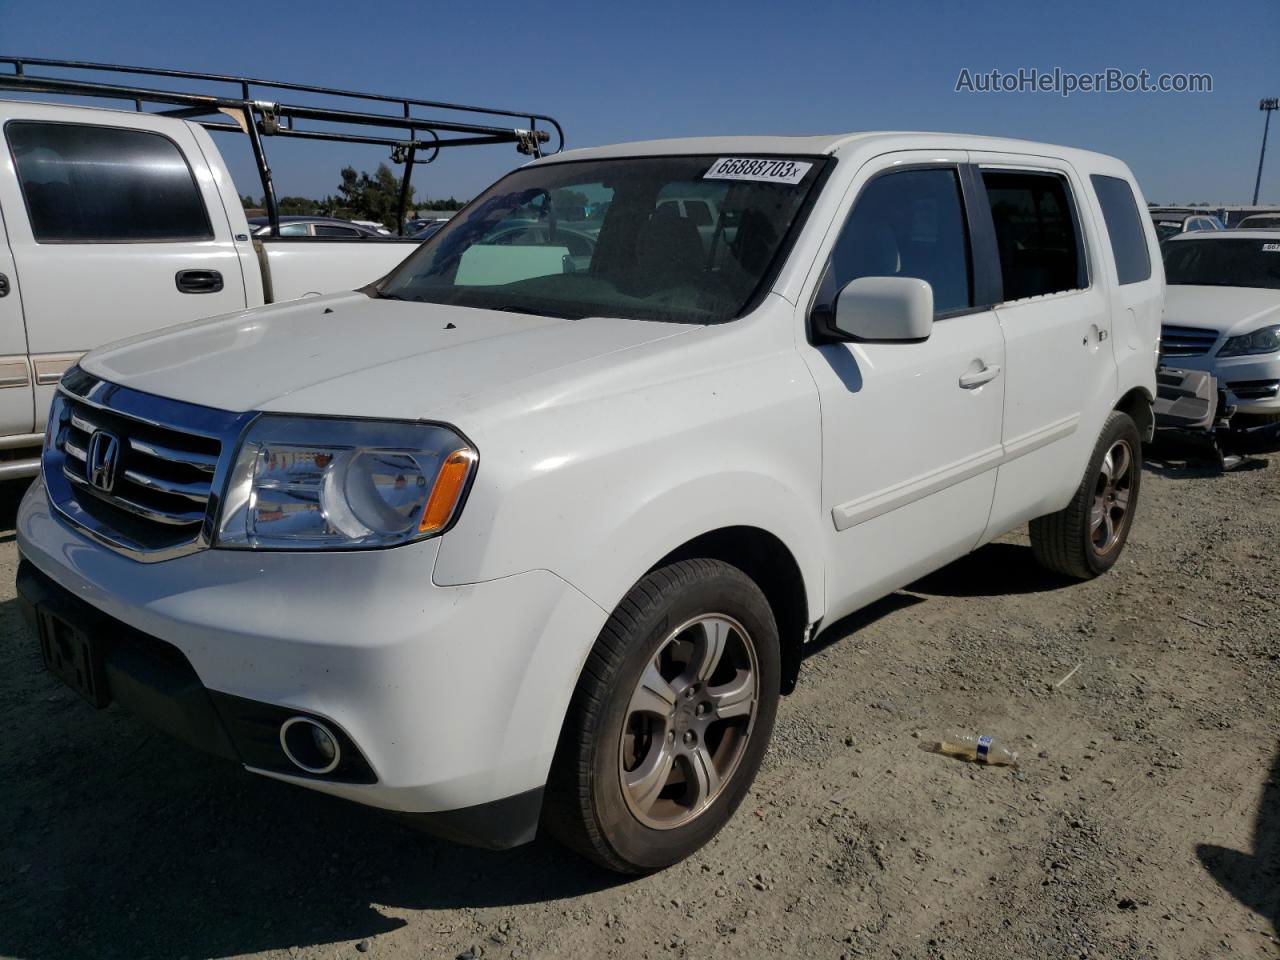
point(1144, 821)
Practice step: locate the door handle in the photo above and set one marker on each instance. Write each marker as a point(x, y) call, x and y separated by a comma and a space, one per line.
point(978, 377)
point(198, 281)
point(4, 285)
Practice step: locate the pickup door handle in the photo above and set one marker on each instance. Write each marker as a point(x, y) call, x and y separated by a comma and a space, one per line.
point(198, 281)
point(978, 377)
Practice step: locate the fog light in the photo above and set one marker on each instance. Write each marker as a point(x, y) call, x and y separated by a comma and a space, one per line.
point(310, 745)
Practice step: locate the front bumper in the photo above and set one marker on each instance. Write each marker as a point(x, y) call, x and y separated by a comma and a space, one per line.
point(451, 696)
point(1252, 384)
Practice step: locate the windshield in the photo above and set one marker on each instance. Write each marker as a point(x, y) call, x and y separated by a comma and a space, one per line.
point(685, 239)
point(1224, 263)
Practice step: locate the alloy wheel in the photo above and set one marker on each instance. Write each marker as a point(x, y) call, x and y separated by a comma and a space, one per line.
point(1113, 494)
point(689, 720)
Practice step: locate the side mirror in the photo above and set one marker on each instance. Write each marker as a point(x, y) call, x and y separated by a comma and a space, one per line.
point(885, 308)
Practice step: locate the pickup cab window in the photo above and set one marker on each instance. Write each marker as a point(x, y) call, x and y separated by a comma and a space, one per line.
point(606, 238)
point(92, 184)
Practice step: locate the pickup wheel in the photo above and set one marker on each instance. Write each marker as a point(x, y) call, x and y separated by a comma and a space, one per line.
point(670, 719)
point(1086, 537)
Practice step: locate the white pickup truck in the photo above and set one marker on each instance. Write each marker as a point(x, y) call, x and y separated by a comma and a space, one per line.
point(115, 223)
point(534, 529)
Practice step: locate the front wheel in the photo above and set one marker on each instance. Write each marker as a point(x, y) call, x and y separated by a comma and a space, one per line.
point(670, 720)
point(1086, 537)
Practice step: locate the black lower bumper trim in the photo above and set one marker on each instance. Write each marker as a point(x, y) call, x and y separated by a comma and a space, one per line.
point(497, 825)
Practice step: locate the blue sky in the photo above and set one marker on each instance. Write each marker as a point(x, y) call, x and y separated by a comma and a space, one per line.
point(640, 70)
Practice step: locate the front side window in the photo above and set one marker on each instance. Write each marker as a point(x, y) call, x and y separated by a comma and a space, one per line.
point(686, 239)
point(1223, 262)
point(1124, 227)
point(908, 224)
point(89, 184)
point(1037, 236)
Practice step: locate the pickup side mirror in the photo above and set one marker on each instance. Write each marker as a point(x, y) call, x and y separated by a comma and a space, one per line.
point(885, 308)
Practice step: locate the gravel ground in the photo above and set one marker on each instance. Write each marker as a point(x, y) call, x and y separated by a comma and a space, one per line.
point(1144, 820)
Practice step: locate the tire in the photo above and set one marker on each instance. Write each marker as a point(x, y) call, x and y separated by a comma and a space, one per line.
point(613, 795)
point(1086, 537)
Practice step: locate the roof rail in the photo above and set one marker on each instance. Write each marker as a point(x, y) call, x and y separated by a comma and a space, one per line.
point(251, 112)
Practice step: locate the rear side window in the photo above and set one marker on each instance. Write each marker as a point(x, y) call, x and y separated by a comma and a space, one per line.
point(87, 184)
point(908, 224)
point(1124, 227)
point(333, 230)
point(1036, 233)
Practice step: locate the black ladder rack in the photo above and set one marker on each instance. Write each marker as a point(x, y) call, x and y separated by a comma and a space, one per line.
point(250, 113)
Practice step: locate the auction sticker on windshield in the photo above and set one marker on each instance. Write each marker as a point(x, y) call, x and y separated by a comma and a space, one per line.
point(1271, 248)
point(765, 171)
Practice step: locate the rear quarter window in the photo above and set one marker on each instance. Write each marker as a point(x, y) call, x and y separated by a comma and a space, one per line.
point(1124, 227)
point(91, 184)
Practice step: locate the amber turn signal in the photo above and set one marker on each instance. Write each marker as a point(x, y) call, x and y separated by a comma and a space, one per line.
point(447, 490)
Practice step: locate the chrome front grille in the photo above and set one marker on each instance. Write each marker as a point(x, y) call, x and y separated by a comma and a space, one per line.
point(164, 479)
point(1186, 341)
point(141, 473)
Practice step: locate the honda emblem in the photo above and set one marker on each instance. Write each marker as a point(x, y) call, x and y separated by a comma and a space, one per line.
point(102, 461)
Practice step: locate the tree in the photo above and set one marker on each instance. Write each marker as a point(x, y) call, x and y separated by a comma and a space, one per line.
point(301, 206)
point(360, 196)
point(365, 197)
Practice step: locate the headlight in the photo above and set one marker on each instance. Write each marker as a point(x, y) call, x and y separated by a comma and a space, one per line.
point(1266, 340)
point(306, 483)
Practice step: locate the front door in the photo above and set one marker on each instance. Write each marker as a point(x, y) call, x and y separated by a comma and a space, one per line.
point(911, 431)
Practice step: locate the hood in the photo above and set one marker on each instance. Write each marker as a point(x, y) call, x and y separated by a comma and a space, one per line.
point(351, 355)
point(1228, 310)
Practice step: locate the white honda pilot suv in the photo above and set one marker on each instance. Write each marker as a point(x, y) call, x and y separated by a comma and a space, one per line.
point(532, 531)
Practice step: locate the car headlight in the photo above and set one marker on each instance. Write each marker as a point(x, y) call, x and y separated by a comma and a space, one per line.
point(306, 483)
point(1266, 340)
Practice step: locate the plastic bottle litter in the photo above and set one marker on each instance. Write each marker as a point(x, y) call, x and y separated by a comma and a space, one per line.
point(979, 749)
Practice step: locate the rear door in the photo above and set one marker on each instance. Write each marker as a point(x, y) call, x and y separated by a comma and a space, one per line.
point(1055, 314)
point(116, 229)
point(16, 415)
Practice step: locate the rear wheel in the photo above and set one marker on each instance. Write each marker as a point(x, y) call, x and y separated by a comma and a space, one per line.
point(670, 720)
point(1085, 538)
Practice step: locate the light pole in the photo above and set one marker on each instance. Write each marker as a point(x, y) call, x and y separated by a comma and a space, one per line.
point(1266, 106)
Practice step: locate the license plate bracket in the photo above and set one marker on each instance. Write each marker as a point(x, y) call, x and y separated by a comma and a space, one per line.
point(74, 657)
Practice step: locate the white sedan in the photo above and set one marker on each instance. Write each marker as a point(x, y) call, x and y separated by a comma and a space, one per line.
point(1222, 313)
